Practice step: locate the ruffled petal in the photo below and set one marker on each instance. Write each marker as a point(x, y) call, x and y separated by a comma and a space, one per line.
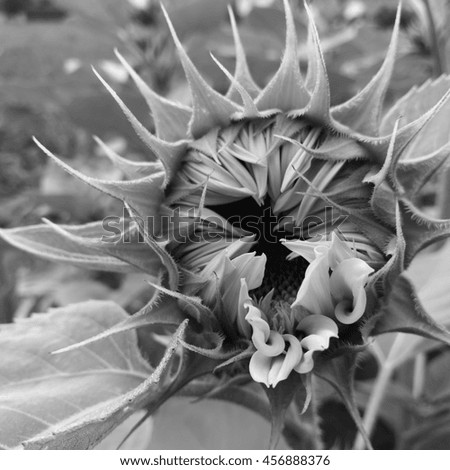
point(272, 370)
point(266, 341)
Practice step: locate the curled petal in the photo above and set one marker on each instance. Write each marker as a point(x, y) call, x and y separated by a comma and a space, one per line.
point(318, 326)
point(314, 293)
point(260, 327)
point(293, 356)
point(272, 370)
point(311, 344)
point(347, 284)
point(273, 346)
point(315, 343)
point(306, 364)
point(268, 342)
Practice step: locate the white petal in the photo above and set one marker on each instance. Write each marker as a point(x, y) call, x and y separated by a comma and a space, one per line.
point(306, 364)
point(243, 303)
point(267, 341)
point(259, 368)
point(314, 293)
point(292, 358)
point(347, 284)
point(315, 343)
point(303, 248)
point(247, 266)
point(273, 346)
point(339, 251)
point(318, 325)
point(272, 370)
point(276, 373)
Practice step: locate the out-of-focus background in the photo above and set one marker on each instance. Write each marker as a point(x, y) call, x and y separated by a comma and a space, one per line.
point(48, 90)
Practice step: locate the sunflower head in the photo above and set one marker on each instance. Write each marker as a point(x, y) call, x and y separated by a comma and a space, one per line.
point(279, 225)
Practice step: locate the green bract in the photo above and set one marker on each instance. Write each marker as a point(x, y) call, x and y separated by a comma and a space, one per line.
point(252, 309)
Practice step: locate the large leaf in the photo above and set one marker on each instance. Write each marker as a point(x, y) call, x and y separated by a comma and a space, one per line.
point(40, 392)
point(403, 312)
point(430, 273)
point(133, 434)
point(413, 105)
point(209, 424)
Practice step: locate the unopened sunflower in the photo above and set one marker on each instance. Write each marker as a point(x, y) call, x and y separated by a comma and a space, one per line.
point(277, 225)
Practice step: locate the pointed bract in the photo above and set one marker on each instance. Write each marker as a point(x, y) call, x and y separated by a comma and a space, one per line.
point(145, 195)
point(318, 109)
point(168, 153)
point(362, 112)
point(412, 175)
point(405, 135)
point(242, 73)
point(420, 230)
point(132, 169)
point(286, 90)
point(250, 109)
point(210, 108)
point(413, 105)
point(128, 247)
point(171, 119)
point(167, 313)
point(42, 241)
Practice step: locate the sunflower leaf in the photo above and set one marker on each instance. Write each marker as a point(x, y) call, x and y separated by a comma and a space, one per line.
point(403, 312)
point(41, 400)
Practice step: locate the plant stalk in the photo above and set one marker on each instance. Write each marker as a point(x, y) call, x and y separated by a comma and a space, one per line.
point(373, 406)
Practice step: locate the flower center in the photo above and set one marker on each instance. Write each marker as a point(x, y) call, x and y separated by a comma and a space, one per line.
point(282, 275)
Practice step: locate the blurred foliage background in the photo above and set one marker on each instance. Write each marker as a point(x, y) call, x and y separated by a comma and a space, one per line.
point(48, 90)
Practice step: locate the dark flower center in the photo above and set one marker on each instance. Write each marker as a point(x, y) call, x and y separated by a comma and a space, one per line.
point(282, 275)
